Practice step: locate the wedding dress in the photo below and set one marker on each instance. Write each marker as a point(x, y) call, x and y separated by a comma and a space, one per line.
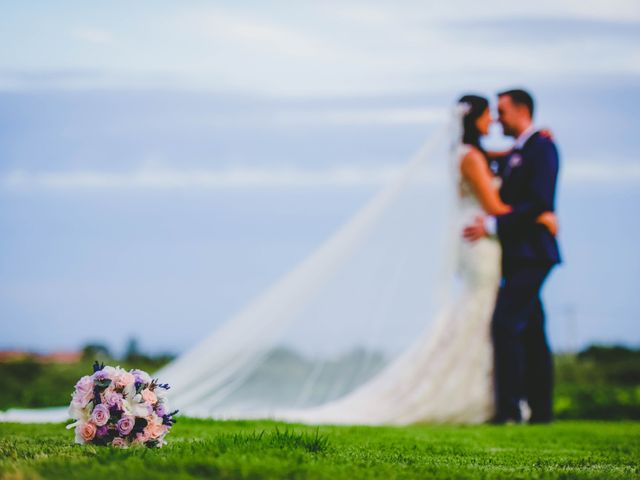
point(446, 376)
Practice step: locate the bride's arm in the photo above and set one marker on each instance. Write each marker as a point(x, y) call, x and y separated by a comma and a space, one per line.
point(475, 170)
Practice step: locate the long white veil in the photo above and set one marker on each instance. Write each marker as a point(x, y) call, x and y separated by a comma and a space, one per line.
point(344, 317)
point(341, 316)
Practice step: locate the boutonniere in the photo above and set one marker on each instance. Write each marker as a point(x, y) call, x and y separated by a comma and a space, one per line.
point(515, 160)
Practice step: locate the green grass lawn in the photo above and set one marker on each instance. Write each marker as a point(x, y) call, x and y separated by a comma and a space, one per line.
point(264, 449)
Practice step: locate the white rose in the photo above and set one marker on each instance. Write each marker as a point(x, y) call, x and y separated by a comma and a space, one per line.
point(161, 393)
point(129, 391)
point(78, 412)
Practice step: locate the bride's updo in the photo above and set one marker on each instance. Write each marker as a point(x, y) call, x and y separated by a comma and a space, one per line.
point(476, 106)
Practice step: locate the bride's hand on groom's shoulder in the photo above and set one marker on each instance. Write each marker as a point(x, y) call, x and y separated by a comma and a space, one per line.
point(546, 133)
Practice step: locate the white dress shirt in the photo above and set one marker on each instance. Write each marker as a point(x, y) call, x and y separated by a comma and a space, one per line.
point(524, 136)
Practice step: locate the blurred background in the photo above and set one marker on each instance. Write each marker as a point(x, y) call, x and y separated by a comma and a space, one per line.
point(162, 163)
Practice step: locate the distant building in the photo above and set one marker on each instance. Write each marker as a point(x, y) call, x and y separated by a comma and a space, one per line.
point(13, 356)
point(60, 357)
point(54, 357)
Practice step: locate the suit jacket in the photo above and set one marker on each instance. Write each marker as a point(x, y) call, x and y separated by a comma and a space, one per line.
point(529, 179)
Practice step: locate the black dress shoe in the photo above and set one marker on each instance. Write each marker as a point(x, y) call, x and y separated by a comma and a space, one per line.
point(505, 420)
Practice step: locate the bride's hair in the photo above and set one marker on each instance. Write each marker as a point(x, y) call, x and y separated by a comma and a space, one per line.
point(476, 107)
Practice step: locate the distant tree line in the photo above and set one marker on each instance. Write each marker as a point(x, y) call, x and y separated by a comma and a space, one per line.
point(599, 382)
point(132, 354)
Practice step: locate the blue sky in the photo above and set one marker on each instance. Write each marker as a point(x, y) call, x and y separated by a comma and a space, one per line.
point(169, 160)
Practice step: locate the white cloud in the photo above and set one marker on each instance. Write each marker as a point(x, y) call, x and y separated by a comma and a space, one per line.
point(255, 177)
point(370, 116)
point(249, 31)
point(93, 35)
point(373, 15)
point(353, 47)
point(597, 172)
point(199, 179)
point(612, 10)
point(412, 11)
point(345, 47)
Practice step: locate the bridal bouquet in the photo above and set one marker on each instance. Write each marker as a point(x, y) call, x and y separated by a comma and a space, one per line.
point(120, 408)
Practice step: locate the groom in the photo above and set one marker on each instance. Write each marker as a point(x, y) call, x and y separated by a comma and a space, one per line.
point(523, 362)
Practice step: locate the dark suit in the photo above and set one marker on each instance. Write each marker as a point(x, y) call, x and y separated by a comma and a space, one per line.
point(523, 362)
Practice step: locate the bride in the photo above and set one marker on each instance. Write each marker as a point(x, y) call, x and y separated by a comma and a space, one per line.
point(447, 376)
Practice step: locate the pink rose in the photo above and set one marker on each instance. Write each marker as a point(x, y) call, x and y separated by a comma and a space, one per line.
point(155, 427)
point(154, 430)
point(124, 379)
point(149, 396)
point(119, 442)
point(100, 415)
point(125, 425)
point(84, 391)
point(86, 431)
point(113, 399)
point(141, 437)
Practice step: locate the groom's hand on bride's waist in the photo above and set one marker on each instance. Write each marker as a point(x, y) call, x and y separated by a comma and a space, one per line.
point(477, 229)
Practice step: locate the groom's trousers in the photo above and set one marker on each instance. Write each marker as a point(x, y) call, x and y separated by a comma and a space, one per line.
point(523, 362)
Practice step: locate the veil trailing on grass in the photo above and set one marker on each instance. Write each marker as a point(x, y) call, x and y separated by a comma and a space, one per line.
point(345, 314)
point(336, 320)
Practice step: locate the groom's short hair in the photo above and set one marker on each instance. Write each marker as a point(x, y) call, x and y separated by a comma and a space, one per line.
point(519, 97)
